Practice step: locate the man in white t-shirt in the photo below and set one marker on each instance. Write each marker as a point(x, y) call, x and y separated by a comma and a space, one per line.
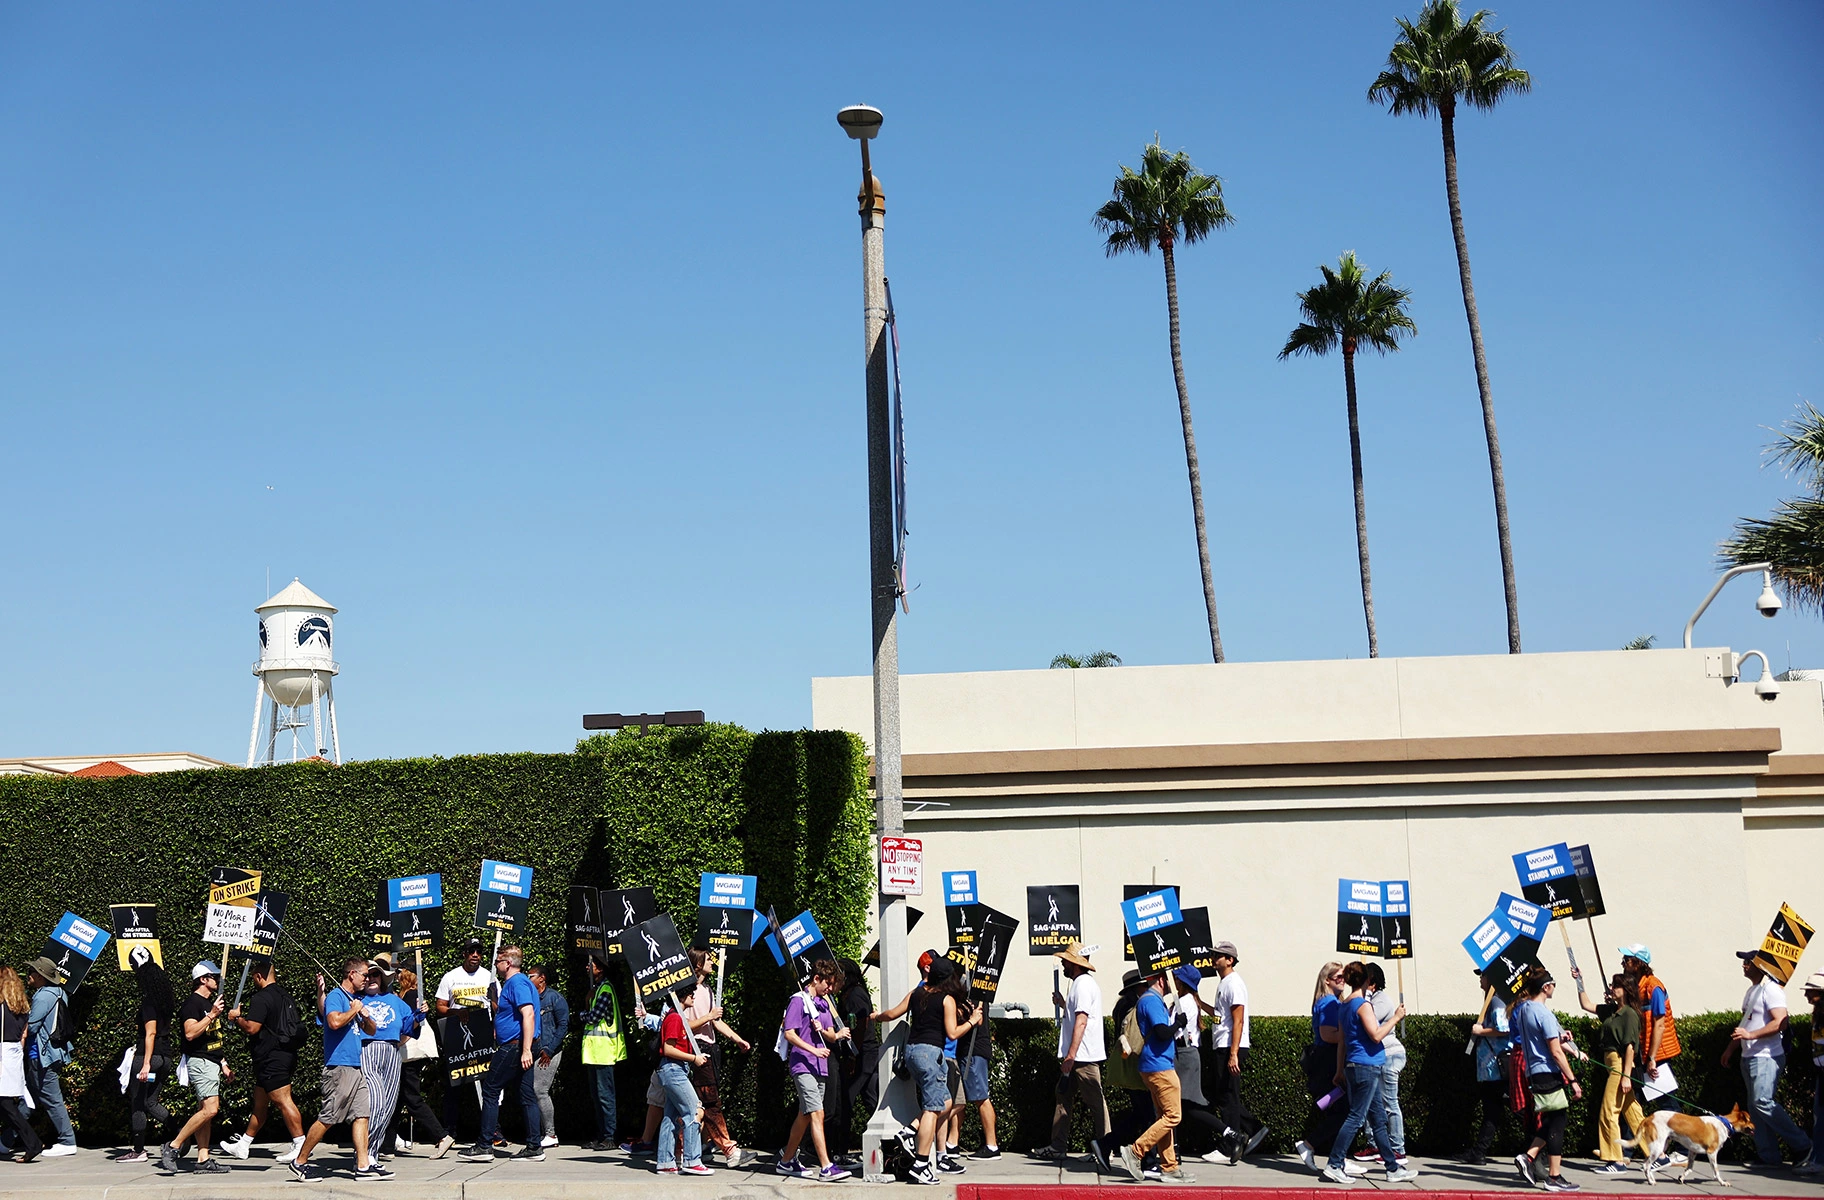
point(1222, 1077)
point(1757, 1038)
point(462, 987)
point(1080, 1055)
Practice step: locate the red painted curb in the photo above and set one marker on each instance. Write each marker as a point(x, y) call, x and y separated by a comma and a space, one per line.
point(1126, 1191)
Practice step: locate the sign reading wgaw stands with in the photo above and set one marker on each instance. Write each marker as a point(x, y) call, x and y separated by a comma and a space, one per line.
point(902, 866)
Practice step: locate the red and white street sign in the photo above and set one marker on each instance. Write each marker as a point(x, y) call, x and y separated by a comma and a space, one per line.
point(902, 866)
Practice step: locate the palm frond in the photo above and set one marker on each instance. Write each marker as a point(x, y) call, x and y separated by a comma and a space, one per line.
point(1352, 311)
point(1165, 200)
point(1442, 58)
point(1798, 447)
point(1792, 539)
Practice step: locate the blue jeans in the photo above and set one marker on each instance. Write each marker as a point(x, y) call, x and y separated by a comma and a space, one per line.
point(1390, 1099)
point(601, 1080)
point(503, 1073)
point(1364, 1083)
point(48, 1088)
point(680, 1111)
point(1772, 1125)
point(1817, 1111)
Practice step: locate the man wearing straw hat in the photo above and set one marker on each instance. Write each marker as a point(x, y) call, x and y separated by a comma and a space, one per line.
point(1080, 1053)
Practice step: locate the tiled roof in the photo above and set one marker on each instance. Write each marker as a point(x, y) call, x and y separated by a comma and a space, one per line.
point(105, 769)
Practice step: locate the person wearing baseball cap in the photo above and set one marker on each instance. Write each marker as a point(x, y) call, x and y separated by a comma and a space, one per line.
point(199, 1023)
point(1222, 1083)
point(1659, 1030)
point(463, 987)
point(1080, 1051)
point(1814, 996)
point(1757, 1038)
point(47, 1084)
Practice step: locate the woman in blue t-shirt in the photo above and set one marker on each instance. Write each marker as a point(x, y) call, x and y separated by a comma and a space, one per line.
point(1359, 1063)
point(1539, 1036)
point(1320, 1063)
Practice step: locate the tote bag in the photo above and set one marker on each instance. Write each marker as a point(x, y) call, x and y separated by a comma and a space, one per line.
point(423, 1044)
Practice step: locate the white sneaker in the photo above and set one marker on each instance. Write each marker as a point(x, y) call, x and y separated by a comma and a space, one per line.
point(58, 1150)
point(236, 1147)
point(291, 1152)
point(1357, 1169)
point(400, 1144)
point(1403, 1175)
point(1336, 1176)
point(1304, 1152)
point(1219, 1158)
point(549, 1140)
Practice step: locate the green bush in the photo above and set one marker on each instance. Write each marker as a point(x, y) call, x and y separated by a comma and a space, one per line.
point(624, 810)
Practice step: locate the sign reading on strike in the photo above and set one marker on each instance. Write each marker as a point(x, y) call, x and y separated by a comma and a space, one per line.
point(415, 905)
point(1506, 943)
point(1396, 918)
point(1548, 879)
point(725, 913)
point(1587, 886)
point(1155, 926)
point(1054, 918)
point(584, 920)
point(622, 909)
point(902, 866)
point(1358, 916)
point(1784, 943)
point(268, 924)
point(1131, 890)
point(467, 1042)
point(962, 907)
point(135, 925)
point(657, 959)
point(504, 896)
point(229, 916)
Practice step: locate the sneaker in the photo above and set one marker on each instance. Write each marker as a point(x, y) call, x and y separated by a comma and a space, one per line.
point(1524, 1165)
point(921, 1172)
point(476, 1153)
point(529, 1154)
point(1558, 1183)
point(1471, 1158)
point(640, 1149)
point(167, 1158)
point(907, 1137)
point(1151, 1175)
point(1304, 1152)
point(1811, 1166)
point(1678, 1160)
point(236, 1147)
point(372, 1171)
point(789, 1168)
point(400, 1144)
point(443, 1146)
point(950, 1164)
point(1098, 1154)
point(1356, 1169)
point(291, 1152)
point(1177, 1175)
point(1337, 1175)
point(667, 1168)
point(830, 1174)
point(59, 1150)
point(305, 1172)
point(695, 1169)
point(210, 1166)
point(1402, 1175)
point(1367, 1154)
point(987, 1153)
point(1610, 1168)
point(1131, 1161)
point(1219, 1158)
point(549, 1141)
point(131, 1156)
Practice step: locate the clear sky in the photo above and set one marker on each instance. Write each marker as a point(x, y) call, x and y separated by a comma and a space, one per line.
point(531, 338)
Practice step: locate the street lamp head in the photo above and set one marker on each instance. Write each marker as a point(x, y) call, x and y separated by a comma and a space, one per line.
point(860, 121)
point(1769, 603)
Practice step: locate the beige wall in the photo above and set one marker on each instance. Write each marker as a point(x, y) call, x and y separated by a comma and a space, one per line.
point(1682, 867)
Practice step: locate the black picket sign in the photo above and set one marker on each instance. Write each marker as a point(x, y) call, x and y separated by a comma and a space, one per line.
point(622, 909)
point(1131, 890)
point(657, 959)
point(466, 1039)
point(1197, 935)
point(584, 921)
point(1054, 918)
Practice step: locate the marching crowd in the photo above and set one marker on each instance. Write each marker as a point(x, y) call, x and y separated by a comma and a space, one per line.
point(1181, 1059)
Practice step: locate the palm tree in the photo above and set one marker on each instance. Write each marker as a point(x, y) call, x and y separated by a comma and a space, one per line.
point(1163, 203)
point(1792, 539)
point(1351, 311)
point(1095, 658)
point(1441, 59)
point(1644, 642)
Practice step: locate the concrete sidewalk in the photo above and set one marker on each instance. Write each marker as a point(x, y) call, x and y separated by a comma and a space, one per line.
point(572, 1174)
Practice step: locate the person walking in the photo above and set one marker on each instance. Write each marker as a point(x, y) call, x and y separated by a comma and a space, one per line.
point(380, 1060)
point(553, 1027)
point(1080, 1052)
point(604, 1045)
point(1360, 1062)
point(50, 1010)
point(515, 1032)
point(1121, 1071)
point(1658, 1028)
point(1228, 1064)
point(811, 1030)
point(1548, 1074)
point(1617, 1044)
point(411, 1079)
point(1383, 1003)
point(935, 1007)
point(151, 1060)
point(1814, 995)
point(679, 1118)
point(857, 1067)
point(977, 1057)
point(274, 1037)
point(15, 1032)
point(345, 1100)
point(1158, 1070)
point(464, 986)
point(705, 1018)
point(199, 1021)
point(1319, 1063)
point(1759, 1038)
point(1491, 1042)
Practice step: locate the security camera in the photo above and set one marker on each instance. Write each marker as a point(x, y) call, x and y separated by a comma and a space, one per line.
point(1769, 604)
point(1767, 687)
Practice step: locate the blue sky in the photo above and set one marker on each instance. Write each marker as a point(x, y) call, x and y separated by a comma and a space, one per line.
point(532, 341)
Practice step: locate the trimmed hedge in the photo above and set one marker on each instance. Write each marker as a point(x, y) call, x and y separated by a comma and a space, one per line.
point(625, 810)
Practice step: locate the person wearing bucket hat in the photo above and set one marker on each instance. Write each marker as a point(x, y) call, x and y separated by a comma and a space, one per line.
point(1080, 1050)
point(1814, 995)
point(50, 1008)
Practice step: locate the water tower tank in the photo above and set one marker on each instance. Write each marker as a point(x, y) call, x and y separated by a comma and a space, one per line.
point(297, 630)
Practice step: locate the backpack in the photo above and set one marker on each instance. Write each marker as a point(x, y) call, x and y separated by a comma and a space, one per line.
point(288, 1029)
point(60, 1032)
point(1131, 1039)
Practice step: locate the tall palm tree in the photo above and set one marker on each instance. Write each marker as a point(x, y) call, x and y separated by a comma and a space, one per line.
point(1095, 658)
point(1350, 311)
point(1163, 203)
point(1792, 539)
point(1439, 60)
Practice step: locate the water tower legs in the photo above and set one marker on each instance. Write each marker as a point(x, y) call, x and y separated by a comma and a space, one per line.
point(253, 738)
point(335, 744)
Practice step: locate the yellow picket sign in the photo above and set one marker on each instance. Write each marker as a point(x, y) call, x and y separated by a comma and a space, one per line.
point(1784, 944)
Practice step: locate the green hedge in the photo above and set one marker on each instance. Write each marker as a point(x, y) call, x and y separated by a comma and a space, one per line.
point(1437, 1088)
point(625, 810)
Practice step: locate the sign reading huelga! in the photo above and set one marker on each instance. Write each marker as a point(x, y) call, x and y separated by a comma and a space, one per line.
point(657, 959)
point(503, 897)
point(998, 933)
point(1199, 940)
point(1358, 917)
point(1054, 918)
point(622, 909)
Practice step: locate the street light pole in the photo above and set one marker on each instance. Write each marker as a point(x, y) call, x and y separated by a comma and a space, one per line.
point(862, 123)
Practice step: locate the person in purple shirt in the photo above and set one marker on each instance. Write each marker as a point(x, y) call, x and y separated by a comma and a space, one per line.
point(810, 1029)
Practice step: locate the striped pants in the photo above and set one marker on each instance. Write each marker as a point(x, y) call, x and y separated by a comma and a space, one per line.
point(380, 1069)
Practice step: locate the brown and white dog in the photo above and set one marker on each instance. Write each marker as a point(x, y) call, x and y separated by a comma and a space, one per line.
point(1701, 1135)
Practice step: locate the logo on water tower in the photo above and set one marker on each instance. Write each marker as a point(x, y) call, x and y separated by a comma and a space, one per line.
point(262, 636)
point(312, 630)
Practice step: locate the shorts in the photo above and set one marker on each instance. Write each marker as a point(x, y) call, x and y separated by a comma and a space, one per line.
point(205, 1077)
point(810, 1091)
point(975, 1080)
point(655, 1092)
point(927, 1066)
point(344, 1096)
point(274, 1070)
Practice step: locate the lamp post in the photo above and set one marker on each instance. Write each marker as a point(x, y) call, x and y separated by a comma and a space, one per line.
point(862, 123)
point(1767, 604)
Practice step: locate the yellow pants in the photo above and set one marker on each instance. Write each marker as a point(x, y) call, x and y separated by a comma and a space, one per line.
point(1613, 1111)
point(1163, 1085)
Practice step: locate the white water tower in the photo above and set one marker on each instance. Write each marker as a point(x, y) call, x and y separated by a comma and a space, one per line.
point(295, 672)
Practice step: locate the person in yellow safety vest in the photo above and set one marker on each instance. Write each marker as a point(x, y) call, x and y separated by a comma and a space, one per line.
point(604, 1045)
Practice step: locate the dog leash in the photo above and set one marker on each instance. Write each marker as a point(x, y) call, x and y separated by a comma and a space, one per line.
point(1641, 1080)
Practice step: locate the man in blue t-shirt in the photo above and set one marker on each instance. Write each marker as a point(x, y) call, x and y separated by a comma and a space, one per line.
point(1159, 1071)
point(345, 1100)
point(515, 1003)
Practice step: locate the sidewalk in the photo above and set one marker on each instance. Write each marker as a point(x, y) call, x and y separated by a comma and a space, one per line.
point(572, 1174)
